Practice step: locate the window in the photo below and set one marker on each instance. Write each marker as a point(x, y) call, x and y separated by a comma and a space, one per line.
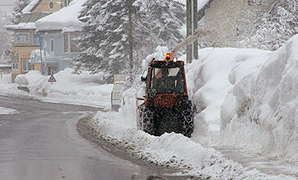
point(65, 42)
point(22, 37)
point(35, 38)
point(74, 42)
point(51, 5)
point(25, 65)
point(52, 45)
point(66, 2)
point(15, 66)
point(15, 61)
point(168, 80)
point(71, 42)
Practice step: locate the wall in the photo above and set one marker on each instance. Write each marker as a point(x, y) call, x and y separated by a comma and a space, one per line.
point(44, 6)
point(56, 59)
point(25, 38)
point(49, 6)
point(228, 20)
point(23, 53)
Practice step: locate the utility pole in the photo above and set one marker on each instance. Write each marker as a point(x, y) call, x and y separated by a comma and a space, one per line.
point(130, 39)
point(195, 26)
point(191, 26)
point(188, 29)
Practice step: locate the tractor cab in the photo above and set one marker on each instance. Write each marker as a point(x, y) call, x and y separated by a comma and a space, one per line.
point(165, 77)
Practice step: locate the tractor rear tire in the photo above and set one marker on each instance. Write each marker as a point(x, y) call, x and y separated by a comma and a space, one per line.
point(187, 115)
point(168, 122)
point(146, 122)
point(188, 123)
point(180, 121)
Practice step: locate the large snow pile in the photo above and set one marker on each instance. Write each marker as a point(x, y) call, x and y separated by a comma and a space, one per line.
point(83, 89)
point(172, 150)
point(263, 114)
point(211, 78)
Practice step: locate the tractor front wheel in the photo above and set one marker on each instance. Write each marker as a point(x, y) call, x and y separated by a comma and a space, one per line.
point(187, 117)
point(146, 121)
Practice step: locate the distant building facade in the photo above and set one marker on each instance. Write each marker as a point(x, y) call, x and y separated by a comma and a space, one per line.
point(230, 20)
point(59, 32)
point(59, 49)
point(26, 39)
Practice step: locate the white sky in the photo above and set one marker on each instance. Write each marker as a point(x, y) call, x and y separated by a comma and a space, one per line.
point(6, 5)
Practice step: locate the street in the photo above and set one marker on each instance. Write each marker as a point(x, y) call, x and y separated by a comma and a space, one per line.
point(41, 143)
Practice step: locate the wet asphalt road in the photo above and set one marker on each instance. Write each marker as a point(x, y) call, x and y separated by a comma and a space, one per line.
point(41, 143)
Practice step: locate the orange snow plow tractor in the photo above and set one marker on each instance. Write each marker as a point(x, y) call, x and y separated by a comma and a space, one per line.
point(166, 107)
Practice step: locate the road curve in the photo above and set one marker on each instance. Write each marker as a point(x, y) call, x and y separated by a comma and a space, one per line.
point(41, 143)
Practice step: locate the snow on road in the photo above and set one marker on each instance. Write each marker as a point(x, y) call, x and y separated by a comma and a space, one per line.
point(4, 110)
point(246, 99)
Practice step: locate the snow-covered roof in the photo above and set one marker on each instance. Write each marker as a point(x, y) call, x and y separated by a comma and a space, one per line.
point(30, 25)
point(66, 19)
point(202, 3)
point(29, 8)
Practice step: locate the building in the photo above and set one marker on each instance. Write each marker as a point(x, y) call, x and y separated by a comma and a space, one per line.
point(26, 38)
point(229, 21)
point(59, 33)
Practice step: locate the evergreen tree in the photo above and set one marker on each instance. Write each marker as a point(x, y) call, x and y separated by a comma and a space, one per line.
point(158, 23)
point(17, 10)
point(91, 57)
point(104, 39)
point(5, 36)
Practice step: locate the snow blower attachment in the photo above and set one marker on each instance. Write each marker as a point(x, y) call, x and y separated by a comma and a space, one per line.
point(166, 106)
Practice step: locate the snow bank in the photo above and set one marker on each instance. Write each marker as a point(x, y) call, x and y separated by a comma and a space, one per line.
point(171, 150)
point(9, 89)
point(5, 78)
point(265, 104)
point(211, 78)
point(83, 89)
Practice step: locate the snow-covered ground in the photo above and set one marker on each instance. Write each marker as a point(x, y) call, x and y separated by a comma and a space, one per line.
point(246, 100)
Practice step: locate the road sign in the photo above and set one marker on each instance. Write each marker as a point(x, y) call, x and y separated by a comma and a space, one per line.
point(52, 79)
